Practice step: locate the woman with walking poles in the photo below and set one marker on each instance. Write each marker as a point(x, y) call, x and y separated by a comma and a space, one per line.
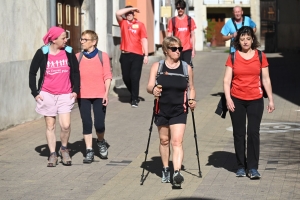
point(58, 86)
point(245, 76)
point(171, 81)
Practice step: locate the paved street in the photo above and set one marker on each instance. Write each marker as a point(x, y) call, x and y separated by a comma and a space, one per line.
point(24, 151)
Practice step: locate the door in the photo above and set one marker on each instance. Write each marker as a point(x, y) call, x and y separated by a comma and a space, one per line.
point(68, 17)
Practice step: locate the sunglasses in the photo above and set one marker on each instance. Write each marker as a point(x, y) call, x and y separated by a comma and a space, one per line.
point(174, 49)
point(178, 8)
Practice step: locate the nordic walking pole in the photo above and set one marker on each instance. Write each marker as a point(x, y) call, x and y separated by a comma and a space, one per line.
point(196, 143)
point(150, 130)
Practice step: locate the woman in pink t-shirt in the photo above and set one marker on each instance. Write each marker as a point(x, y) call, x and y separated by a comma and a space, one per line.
point(56, 90)
point(95, 79)
point(244, 98)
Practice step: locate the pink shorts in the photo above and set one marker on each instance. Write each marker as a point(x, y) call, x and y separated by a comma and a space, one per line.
point(54, 104)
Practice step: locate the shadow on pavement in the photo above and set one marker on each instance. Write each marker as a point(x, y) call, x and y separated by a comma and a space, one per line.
point(124, 95)
point(284, 73)
point(78, 146)
point(223, 159)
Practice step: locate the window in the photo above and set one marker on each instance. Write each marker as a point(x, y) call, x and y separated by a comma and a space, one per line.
point(76, 16)
point(59, 13)
point(68, 15)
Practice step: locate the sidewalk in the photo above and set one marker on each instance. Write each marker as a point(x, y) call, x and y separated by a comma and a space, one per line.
point(23, 149)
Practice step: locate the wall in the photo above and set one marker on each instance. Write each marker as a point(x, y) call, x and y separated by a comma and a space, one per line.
point(23, 24)
point(288, 25)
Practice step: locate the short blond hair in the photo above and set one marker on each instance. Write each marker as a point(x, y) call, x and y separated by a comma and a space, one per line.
point(169, 42)
point(91, 33)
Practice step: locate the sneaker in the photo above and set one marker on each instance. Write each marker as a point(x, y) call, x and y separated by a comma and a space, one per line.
point(177, 179)
point(253, 174)
point(240, 173)
point(165, 178)
point(65, 157)
point(102, 149)
point(52, 161)
point(89, 158)
point(134, 104)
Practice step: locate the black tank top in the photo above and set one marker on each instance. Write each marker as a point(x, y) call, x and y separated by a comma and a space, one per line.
point(173, 99)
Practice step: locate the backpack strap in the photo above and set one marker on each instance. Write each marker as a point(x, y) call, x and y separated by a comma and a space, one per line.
point(99, 56)
point(173, 25)
point(260, 56)
point(189, 22)
point(232, 54)
point(159, 70)
point(234, 24)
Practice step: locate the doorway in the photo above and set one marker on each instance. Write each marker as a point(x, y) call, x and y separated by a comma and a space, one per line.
point(68, 17)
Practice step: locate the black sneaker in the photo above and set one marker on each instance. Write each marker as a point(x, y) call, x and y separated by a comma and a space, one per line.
point(134, 104)
point(89, 158)
point(165, 178)
point(103, 148)
point(177, 179)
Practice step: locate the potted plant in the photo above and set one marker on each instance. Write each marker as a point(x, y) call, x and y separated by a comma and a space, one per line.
point(211, 33)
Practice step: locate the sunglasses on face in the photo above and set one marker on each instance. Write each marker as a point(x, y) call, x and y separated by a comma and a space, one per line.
point(174, 49)
point(178, 8)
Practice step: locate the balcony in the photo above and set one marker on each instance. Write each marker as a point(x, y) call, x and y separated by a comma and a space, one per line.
point(226, 3)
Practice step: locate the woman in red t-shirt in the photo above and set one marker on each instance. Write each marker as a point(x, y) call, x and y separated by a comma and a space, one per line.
point(244, 99)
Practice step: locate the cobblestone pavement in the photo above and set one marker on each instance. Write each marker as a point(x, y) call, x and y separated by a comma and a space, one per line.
point(23, 149)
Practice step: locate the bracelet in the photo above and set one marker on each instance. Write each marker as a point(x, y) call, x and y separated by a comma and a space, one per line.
point(153, 89)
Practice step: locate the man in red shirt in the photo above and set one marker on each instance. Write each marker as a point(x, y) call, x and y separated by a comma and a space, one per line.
point(134, 47)
point(183, 29)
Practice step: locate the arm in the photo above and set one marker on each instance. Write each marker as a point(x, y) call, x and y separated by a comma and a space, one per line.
point(121, 12)
point(192, 91)
point(170, 28)
point(226, 84)
point(267, 85)
point(75, 76)
point(34, 67)
point(193, 38)
point(151, 89)
point(107, 77)
point(145, 49)
point(229, 37)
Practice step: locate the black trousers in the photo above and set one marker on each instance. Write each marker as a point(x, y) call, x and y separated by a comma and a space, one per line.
point(131, 65)
point(253, 111)
point(187, 57)
point(85, 106)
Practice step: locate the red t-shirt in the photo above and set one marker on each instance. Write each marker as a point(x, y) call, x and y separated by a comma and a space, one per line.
point(93, 76)
point(246, 83)
point(131, 35)
point(57, 75)
point(182, 31)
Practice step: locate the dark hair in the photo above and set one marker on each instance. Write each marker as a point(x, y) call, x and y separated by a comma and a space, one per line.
point(180, 3)
point(245, 30)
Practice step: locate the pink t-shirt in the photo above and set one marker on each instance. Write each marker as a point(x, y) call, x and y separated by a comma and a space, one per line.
point(93, 76)
point(57, 75)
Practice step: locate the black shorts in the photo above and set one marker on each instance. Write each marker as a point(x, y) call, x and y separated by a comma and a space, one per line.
point(167, 121)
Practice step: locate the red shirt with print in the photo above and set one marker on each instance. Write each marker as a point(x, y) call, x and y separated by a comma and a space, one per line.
point(246, 83)
point(183, 31)
point(131, 35)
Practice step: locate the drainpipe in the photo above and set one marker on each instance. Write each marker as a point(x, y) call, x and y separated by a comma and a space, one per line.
point(156, 22)
point(52, 13)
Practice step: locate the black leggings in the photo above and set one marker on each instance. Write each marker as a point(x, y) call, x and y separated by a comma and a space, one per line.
point(253, 110)
point(131, 65)
point(187, 57)
point(85, 106)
